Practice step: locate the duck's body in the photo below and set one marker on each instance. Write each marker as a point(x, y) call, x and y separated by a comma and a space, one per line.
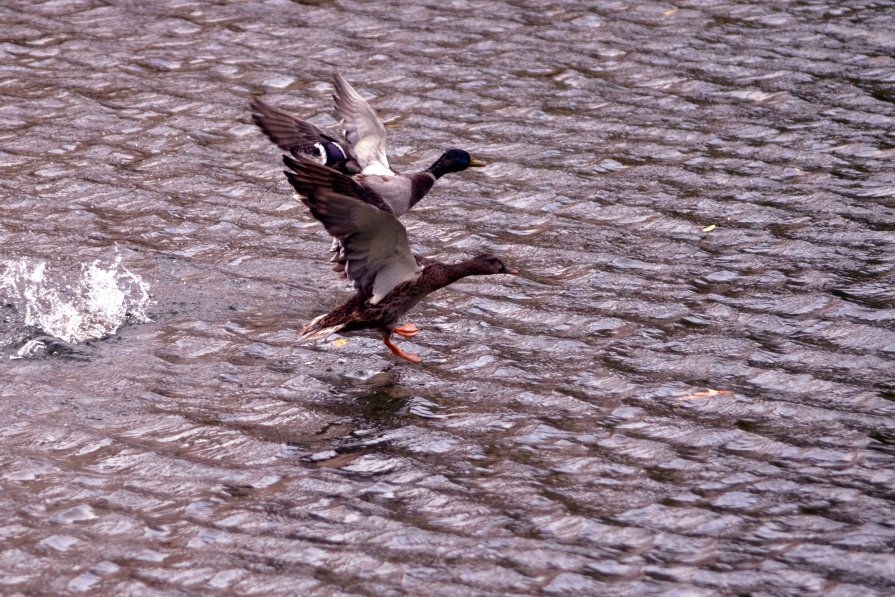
point(400, 193)
point(361, 154)
point(394, 194)
point(359, 314)
point(388, 279)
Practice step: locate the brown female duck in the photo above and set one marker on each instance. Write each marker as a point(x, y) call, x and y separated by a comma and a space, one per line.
point(389, 279)
point(362, 154)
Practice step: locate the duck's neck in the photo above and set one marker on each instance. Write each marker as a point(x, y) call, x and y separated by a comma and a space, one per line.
point(420, 184)
point(440, 275)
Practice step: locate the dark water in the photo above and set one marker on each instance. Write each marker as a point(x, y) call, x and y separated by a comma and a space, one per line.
point(560, 436)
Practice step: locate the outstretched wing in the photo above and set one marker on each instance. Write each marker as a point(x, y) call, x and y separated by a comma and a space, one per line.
point(285, 131)
point(307, 175)
point(363, 129)
point(375, 242)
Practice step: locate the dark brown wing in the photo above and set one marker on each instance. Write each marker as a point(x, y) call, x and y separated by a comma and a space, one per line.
point(306, 175)
point(285, 131)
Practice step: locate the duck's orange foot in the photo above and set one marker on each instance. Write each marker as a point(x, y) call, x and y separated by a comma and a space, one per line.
point(413, 358)
point(408, 331)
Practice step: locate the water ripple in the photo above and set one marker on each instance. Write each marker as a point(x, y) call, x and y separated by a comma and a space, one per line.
point(686, 391)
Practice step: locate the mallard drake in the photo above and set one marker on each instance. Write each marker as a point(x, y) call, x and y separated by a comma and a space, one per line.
point(362, 154)
point(395, 194)
point(389, 280)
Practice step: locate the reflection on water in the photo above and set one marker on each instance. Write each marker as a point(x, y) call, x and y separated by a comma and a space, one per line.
point(654, 406)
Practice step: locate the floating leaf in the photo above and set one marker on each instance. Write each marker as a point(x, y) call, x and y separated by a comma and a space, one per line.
point(706, 394)
point(709, 228)
point(340, 342)
point(340, 460)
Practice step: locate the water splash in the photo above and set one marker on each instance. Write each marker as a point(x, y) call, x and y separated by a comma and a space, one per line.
point(75, 306)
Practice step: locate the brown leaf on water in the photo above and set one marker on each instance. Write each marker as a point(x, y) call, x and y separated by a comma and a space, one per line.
point(340, 460)
point(707, 394)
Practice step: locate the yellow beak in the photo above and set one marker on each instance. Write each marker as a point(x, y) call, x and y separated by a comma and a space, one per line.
point(474, 163)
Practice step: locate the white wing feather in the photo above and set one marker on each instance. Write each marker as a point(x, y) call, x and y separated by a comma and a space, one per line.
point(363, 129)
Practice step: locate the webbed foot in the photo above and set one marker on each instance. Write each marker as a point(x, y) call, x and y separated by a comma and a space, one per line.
point(413, 358)
point(408, 330)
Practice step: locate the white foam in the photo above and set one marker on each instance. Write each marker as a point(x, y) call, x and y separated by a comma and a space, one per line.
point(87, 303)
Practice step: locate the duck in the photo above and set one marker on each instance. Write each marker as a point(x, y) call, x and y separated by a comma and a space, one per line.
point(362, 154)
point(392, 194)
point(388, 279)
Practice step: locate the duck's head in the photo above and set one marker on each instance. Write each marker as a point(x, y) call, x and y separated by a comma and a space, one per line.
point(454, 160)
point(483, 265)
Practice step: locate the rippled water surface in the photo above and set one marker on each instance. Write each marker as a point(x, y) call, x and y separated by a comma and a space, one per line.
point(654, 405)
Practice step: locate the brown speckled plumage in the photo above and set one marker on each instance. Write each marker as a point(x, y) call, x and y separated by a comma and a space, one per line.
point(357, 314)
point(388, 279)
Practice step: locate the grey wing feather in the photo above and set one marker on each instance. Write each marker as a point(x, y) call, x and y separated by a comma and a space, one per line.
point(363, 129)
point(375, 242)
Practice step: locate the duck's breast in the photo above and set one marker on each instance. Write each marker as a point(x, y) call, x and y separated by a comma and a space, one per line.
point(394, 190)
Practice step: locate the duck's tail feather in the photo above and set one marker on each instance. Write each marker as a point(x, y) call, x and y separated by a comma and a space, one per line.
point(320, 327)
